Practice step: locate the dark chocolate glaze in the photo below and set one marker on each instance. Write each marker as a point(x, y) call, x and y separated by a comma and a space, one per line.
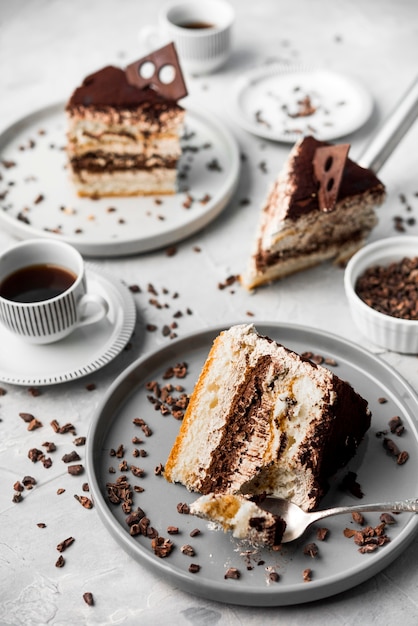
point(337, 437)
point(355, 180)
point(109, 87)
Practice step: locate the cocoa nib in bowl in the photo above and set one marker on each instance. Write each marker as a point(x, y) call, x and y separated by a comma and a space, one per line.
point(381, 285)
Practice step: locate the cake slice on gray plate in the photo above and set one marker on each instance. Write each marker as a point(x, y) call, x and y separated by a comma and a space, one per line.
point(264, 420)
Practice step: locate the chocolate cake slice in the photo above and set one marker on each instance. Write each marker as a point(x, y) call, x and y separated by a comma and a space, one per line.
point(263, 419)
point(124, 132)
point(297, 229)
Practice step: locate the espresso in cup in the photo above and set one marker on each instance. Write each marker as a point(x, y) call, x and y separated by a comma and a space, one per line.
point(43, 291)
point(36, 283)
point(201, 32)
point(196, 25)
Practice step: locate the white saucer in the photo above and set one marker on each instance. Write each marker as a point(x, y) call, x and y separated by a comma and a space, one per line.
point(265, 99)
point(86, 350)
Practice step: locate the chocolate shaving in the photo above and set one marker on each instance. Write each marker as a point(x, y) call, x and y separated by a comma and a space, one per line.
point(162, 59)
point(328, 165)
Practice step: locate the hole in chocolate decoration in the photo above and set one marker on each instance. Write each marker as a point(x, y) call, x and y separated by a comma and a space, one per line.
point(330, 184)
point(167, 74)
point(328, 163)
point(146, 70)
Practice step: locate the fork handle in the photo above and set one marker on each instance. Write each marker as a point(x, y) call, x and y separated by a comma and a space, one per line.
point(392, 131)
point(398, 506)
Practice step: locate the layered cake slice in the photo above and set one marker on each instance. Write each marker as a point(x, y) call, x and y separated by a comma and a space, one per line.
point(240, 516)
point(321, 207)
point(261, 419)
point(124, 130)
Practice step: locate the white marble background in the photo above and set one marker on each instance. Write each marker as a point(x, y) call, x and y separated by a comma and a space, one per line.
point(46, 48)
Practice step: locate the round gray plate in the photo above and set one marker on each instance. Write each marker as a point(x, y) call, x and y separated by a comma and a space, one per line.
point(339, 565)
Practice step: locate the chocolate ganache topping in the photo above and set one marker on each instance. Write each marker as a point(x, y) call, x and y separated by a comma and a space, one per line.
point(355, 180)
point(109, 87)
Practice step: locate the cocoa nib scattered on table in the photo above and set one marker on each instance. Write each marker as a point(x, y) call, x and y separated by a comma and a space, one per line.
point(62, 430)
point(28, 482)
point(32, 422)
point(63, 545)
point(88, 598)
point(84, 501)
point(392, 289)
point(229, 281)
point(36, 455)
point(71, 457)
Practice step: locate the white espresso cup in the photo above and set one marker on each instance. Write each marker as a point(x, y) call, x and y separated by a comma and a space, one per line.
point(43, 291)
point(200, 30)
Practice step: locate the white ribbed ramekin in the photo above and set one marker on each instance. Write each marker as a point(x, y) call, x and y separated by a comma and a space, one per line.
point(392, 333)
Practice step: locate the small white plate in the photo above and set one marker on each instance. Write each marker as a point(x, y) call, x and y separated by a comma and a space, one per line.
point(37, 199)
point(86, 350)
point(269, 102)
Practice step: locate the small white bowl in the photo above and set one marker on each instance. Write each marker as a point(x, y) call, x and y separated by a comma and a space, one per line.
point(392, 333)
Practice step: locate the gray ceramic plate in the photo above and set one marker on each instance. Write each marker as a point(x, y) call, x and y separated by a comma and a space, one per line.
point(339, 565)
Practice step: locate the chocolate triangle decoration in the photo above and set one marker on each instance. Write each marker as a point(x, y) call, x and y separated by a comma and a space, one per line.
point(328, 166)
point(160, 71)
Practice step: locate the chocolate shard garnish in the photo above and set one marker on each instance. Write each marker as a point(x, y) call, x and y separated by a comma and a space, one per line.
point(160, 70)
point(328, 165)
